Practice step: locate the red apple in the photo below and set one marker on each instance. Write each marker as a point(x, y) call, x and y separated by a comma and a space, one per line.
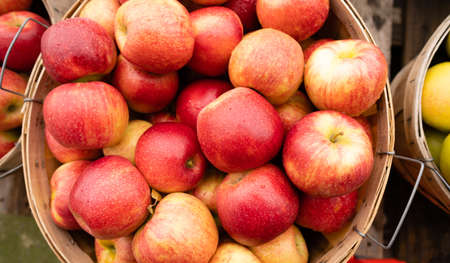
point(294, 109)
point(88, 115)
point(196, 96)
point(110, 198)
point(209, 2)
point(61, 184)
point(8, 140)
point(156, 35)
point(14, 5)
point(207, 188)
point(170, 158)
point(27, 47)
point(257, 205)
point(230, 252)
point(327, 153)
point(345, 75)
point(114, 251)
point(326, 214)
point(181, 230)
point(11, 104)
point(313, 46)
point(103, 12)
point(64, 154)
point(246, 10)
point(217, 31)
point(162, 116)
point(289, 247)
point(240, 130)
point(298, 18)
point(127, 146)
point(77, 49)
point(145, 92)
point(269, 61)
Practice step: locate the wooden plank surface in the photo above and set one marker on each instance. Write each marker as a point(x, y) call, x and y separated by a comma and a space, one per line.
point(13, 197)
point(57, 8)
point(425, 235)
point(378, 16)
point(420, 19)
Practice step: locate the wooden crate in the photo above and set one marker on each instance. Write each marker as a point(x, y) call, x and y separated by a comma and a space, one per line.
point(411, 141)
point(344, 22)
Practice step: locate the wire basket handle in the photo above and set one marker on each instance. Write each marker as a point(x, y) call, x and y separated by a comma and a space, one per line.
point(2, 73)
point(25, 98)
point(408, 204)
point(9, 172)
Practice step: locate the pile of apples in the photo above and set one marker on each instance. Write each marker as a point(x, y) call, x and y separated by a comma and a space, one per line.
point(20, 62)
point(246, 155)
point(436, 109)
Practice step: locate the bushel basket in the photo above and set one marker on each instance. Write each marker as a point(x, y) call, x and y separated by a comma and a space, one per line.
point(39, 164)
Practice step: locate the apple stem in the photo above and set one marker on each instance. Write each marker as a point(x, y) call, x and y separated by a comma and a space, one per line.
point(190, 163)
point(334, 137)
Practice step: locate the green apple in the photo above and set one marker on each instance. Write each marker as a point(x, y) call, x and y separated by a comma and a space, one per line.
point(445, 159)
point(435, 139)
point(436, 97)
point(289, 247)
point(448, 45)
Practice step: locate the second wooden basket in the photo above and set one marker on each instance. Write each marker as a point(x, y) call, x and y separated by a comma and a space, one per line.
point(411, 141)
point(344, 22)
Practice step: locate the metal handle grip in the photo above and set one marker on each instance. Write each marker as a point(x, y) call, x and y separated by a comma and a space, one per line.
point(408, 204)
point(25, 98)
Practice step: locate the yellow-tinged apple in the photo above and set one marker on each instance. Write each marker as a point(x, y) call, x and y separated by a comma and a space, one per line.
point(103, 12)
point(445, 159)
point(127, 146)
point(206, 188)
point(327, 153)
point(114, 250)
point(182, 229)
point(229, 252)
point(289, 247)
point(61, 185)
point(294, 109)
point(156, 35)
point(345, 75)
point(268, 61)
point(436, 97)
